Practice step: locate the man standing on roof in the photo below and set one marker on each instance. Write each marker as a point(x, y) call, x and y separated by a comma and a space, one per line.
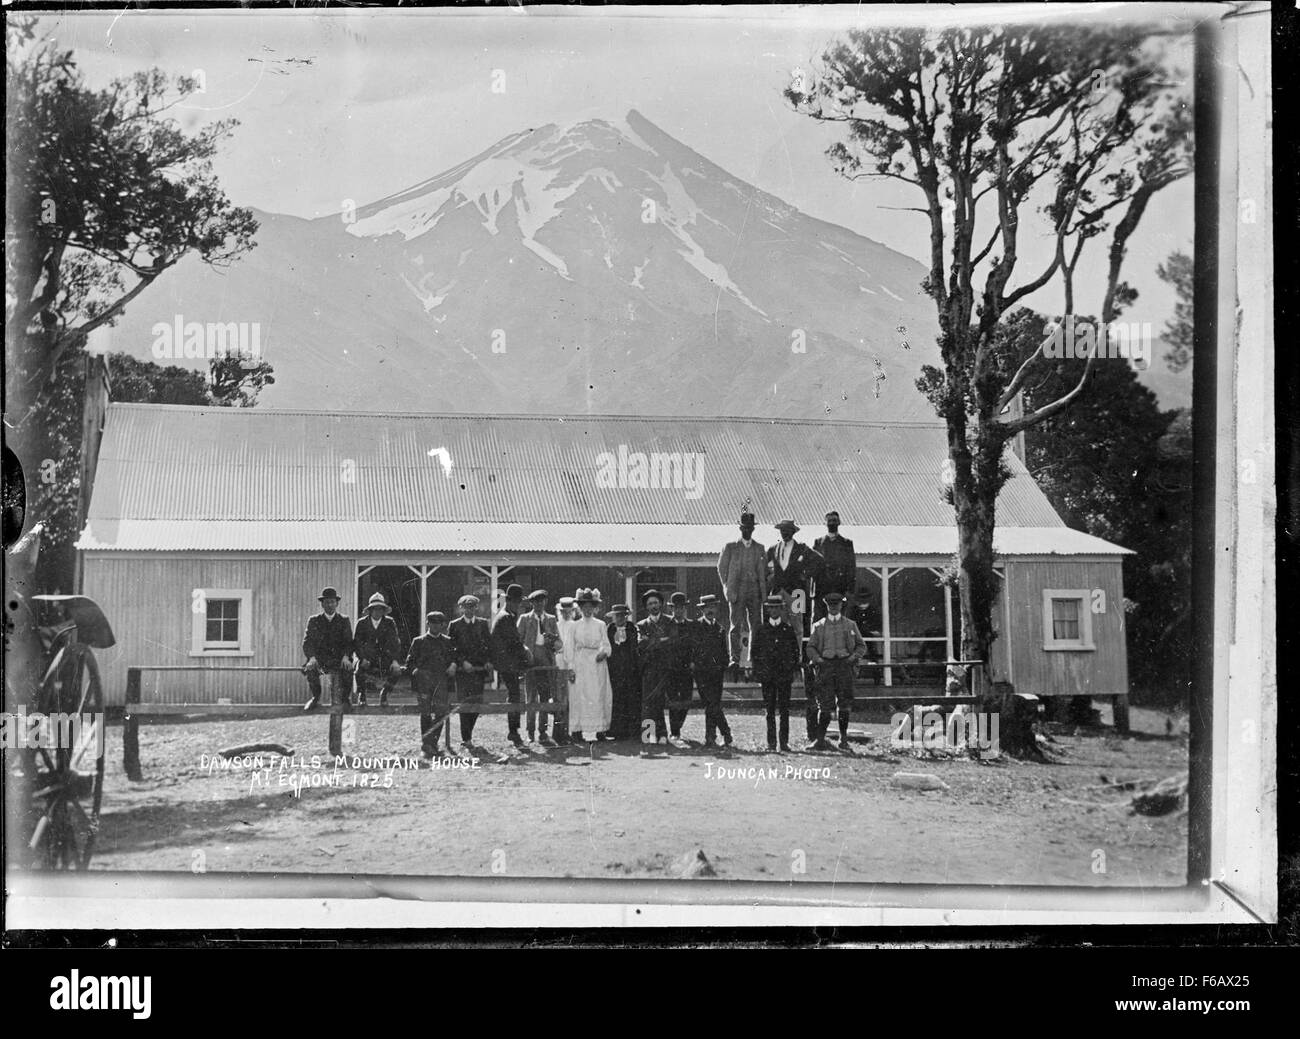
point(791, 567)
point(327, 645)
point(743, 575)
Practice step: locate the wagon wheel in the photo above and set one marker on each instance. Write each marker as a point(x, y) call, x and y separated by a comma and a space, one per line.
point(69, 780)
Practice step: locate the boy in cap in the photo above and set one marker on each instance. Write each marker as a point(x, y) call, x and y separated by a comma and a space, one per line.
point(378, 647)
point(327, 645)
point(472, 644)
point(776, 659)
point(835, 646)
point(540, 637)
point(432, 666)
point(709, 658)
point(508, 654)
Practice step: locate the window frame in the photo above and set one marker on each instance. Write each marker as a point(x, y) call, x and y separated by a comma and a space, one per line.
point(199, 646)
point(1084, 643)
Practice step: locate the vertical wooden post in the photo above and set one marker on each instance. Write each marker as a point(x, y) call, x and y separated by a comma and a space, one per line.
point(338, 705)
point(1120, 712)
point(886, 646)
point(131, 727)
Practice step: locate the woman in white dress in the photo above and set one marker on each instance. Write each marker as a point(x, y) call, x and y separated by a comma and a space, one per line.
point(586, 650)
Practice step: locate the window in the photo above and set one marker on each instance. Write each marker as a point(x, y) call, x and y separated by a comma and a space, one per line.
point(1067, 619)
point(221, 622)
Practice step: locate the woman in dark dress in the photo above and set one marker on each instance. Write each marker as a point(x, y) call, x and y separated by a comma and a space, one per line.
point(625, 722)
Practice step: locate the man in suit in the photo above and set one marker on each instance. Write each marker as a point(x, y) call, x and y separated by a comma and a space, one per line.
point(791, 567)
point(709, 661)
point(656, 639)
point(327, 645)
point(539, 636)
point(776, 659)
point(509, 657)
point(431, 664)
point(681, 655)
point(743, 573)
point(839, 572)
point(378, 648)
point(834, 648)
point(471, 641)
point(625, 716)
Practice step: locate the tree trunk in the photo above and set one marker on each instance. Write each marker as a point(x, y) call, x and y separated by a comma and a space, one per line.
point(978, 587)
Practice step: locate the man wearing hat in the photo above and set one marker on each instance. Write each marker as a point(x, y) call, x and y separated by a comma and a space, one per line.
point(471, 642)
point(327, 645)
point(509, 657)
point(709, 660)
point(743, 573)
point(680, 659)
point(625, 720)
point(378, 648)
point(834, 647)
point(791, 567)
point(656, 639)
point(540, 637)
point(839, 572)
point(776, 659)
point(431, 664)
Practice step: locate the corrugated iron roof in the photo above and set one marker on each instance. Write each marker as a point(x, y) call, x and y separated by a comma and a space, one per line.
point(350, 473)
point(606, 539)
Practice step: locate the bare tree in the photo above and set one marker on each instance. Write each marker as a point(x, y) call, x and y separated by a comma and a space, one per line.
point(1079, 126)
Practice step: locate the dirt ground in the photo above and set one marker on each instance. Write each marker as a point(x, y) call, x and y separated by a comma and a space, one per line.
point(564, 813)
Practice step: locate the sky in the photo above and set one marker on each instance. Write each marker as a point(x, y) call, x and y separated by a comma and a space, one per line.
point(393, 98)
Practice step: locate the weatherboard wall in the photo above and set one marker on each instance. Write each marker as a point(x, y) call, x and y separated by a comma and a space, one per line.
point(1102, 671)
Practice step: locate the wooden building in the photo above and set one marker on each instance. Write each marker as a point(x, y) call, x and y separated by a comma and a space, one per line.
point(212, 530)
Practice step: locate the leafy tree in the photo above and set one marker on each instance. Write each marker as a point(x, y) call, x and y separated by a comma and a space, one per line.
point(1119, 467)
point(1177, 271)
point(104, 194)
point(1075, 123)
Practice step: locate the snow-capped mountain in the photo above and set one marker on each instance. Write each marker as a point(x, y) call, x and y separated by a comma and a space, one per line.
point(602, 267)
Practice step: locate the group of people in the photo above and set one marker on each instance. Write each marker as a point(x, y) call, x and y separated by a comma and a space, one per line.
point(624, 680)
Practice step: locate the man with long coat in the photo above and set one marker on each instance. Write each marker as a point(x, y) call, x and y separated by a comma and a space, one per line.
point(623, 675)
point(657, 648)
point(509, 657)
point(709, 662)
